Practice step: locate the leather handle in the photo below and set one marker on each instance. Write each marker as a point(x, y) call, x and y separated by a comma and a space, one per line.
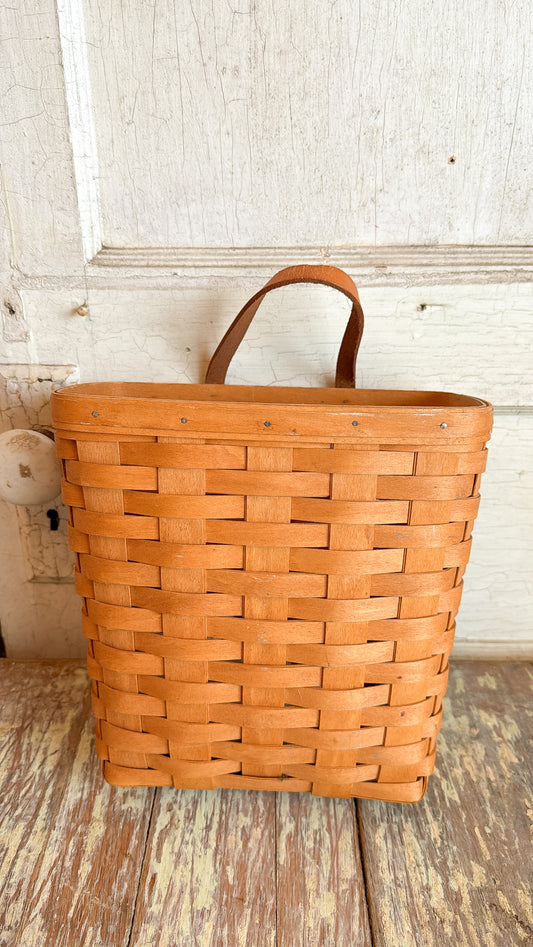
point(329, 276)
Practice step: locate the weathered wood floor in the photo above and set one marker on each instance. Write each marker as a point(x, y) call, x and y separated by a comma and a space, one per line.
point(85, 865)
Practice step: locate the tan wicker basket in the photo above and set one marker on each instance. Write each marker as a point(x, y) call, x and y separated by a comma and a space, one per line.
point(270, 576)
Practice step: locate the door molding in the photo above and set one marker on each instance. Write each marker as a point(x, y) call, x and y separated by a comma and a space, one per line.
point(385, 265)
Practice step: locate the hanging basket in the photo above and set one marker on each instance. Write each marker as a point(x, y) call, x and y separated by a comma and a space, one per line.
point(270, 576)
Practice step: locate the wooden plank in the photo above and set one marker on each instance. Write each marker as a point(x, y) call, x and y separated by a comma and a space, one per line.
point(209, 872)
point(320, 887)
point(62, 828)
point(456, 868)
point(83, 891)
point(43, 707)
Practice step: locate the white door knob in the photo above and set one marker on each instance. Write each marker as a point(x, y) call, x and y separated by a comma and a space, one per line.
point(30, 471)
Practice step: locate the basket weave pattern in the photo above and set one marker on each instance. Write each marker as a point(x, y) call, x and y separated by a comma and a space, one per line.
point(270, 616)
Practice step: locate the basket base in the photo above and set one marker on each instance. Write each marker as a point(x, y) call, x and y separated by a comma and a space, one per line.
point(385, 792)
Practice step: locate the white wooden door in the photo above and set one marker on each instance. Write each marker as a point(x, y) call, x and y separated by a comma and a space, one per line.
point(161, 160)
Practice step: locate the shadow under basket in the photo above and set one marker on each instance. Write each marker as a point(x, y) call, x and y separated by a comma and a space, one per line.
point(270, 576)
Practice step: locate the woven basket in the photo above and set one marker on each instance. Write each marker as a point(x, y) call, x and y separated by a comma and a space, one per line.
point(270, 576)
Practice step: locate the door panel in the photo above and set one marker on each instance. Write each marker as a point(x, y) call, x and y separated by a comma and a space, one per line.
point(161, 160)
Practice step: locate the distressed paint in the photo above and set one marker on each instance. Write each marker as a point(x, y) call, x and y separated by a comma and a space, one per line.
point(25, 393)
point(94, 852)
point(209, 871)
point(40, 613)
point(320, 884)
point(456, 868)
point(39, 618)
point(323, 124)
point(45, 552)
point(87, 864)
point(71, 845)
point(455, 338)
point(25, 403)
point(266, 175)
point(35, 148)
point(43, 711)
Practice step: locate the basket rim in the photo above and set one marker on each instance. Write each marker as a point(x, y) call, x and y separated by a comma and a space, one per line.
point(222, 412)
point(393, 399)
